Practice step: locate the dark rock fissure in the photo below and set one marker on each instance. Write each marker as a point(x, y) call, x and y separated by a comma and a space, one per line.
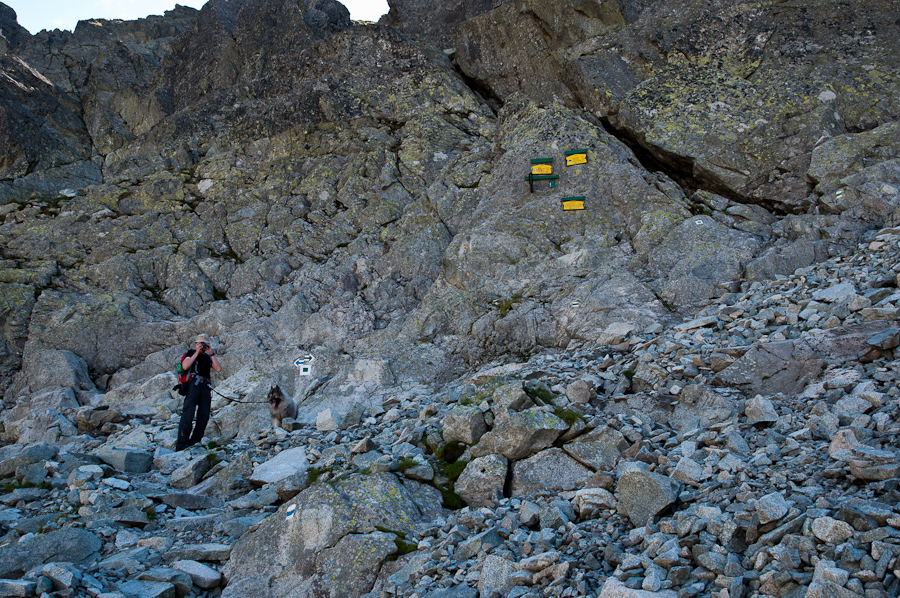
point(481, 89)
point(508, 482)
point(678, 168)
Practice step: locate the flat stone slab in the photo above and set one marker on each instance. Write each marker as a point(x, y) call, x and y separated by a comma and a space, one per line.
point(835, 293)
point(17, 587)
point(202, 575)
point(284, 464)
point(697, 323)
point(148, 589)
point(127, 460)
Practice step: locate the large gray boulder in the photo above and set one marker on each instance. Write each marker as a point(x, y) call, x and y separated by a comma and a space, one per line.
point(56, 368)
point(517, 435)
point(138, 587)
point(228, 483)
point(844, 343)
point(496, 576)
point(598, 449)
point(698, 402)
point(70, 545)
point(14, 456)
point(769, 368)
point(334, 520)
point(126, 459)
point(345, 569)
point(191, 473)
point(510, 397)
point(482, 481)
point(870, 464)
point(460, 591)
point(788, 366)
point(643, 494)
point(550, 470)
point(463, 424)
point(285, 464)
point(41, 417)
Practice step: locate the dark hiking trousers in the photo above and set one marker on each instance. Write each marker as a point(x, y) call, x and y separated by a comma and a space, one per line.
point(199, 400)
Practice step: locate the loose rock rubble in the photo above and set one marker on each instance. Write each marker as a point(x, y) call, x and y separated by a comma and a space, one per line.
point(637, 468)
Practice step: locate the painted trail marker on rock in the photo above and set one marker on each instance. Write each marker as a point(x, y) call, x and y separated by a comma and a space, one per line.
point(578, 156)
point(573, 203)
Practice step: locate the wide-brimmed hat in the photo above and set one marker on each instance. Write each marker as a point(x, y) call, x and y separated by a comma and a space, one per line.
point(202, 338)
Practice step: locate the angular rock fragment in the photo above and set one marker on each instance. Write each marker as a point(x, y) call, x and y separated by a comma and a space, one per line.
point(66, 545)
point(598, 449)
point(589, 502)
point(580, 391)
point(482, 481)
point(202, 576)
point(643, 494)
point(870, 464)
point(517, 435)
point(760, 410)
point(697, 401)
point(551, 470)
point(328, 420)
point(464, 424)
point(771, 507)
point(127, 460)
point(831, 530)
point(477, 544)
point(321, 516)
point(510, 397)
point(191, 473)
point(613, 588)
point(284, 464)
point(496, 576)
point(150, 589)
point(688, 471)
point(786, 366)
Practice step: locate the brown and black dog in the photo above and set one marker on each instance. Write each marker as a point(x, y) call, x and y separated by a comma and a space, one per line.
point(280, 406)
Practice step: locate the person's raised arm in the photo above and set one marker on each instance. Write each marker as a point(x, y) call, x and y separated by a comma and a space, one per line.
point(188, 361)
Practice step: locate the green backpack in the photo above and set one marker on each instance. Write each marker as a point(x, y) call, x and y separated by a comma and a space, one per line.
point(183, 376)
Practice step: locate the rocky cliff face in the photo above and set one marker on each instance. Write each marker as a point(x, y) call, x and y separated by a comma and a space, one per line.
point(290, 183)
point(373, 199)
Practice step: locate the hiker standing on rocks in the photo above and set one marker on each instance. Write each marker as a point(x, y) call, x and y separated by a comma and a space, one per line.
point(202, 358)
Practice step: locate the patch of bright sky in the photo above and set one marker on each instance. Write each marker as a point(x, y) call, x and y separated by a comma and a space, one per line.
point(36, 15)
